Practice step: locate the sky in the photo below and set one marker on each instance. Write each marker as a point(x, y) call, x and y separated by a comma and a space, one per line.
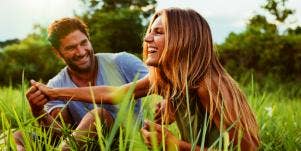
point(224, 16)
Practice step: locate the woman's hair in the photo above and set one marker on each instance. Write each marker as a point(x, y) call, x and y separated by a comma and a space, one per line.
point(187, 60)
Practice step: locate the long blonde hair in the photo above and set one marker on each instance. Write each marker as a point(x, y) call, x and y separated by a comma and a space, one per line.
point(188, 60)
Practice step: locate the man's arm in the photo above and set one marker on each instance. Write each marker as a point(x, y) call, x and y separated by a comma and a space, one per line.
point(37, 100)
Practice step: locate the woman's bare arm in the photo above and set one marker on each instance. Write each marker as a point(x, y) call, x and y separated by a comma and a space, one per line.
point(101, 94)
point(247, 142)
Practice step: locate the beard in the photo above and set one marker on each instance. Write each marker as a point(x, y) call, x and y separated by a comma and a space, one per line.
point(71, 62)
point(78, 69)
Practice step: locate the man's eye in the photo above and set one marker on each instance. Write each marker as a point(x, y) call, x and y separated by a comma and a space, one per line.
point(84, 43)
point(69, 48)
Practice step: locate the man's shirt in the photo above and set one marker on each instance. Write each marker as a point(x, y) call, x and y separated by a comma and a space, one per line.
point(113, 69)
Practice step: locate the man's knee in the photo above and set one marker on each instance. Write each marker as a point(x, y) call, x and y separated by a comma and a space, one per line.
point(100, 113)
point(89, 124)
point(18, 137)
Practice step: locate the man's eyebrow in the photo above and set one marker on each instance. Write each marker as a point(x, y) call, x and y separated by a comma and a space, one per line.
point(84, 40)
point(70, 46)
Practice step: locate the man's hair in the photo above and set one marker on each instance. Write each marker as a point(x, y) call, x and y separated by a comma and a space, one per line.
point(62, 27)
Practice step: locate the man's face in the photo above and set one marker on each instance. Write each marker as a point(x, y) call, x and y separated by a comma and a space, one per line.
point(77, 52)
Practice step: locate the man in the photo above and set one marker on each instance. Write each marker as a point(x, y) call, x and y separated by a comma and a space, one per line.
point(70, 41)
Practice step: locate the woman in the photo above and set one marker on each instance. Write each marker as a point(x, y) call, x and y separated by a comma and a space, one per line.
point(184, 70)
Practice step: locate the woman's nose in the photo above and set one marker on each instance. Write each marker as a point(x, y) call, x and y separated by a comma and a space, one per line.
point(148, 38)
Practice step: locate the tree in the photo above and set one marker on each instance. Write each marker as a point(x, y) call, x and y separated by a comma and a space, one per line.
point(117, 25)
point(262, 49)
point(278, 9)
point(32, 55)
point(8, 42)
point(145, 7)
point(114, 26)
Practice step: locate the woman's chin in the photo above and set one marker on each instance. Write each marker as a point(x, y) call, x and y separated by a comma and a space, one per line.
point(151, 63)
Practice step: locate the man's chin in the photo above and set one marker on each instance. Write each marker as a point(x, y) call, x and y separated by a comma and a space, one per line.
point(80, 69)
point(85, 69)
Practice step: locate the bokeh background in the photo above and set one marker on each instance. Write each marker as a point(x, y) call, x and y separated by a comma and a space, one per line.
point(260, 37)
point(258, 42)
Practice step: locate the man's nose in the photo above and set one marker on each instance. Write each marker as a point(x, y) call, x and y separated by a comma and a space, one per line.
point(80, 50)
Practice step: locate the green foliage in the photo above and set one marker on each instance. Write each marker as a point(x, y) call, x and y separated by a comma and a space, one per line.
point(146, 7)
point(114, 26)
point(119, 25)
point(33, 55)
point(263, 52)
point(8, 42)
point(276, 112)
point(115, 31)
point(261, 49)
point(278, 9)
point(10, 101)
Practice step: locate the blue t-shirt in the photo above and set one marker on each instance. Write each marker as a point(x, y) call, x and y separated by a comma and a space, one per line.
point(121, 66)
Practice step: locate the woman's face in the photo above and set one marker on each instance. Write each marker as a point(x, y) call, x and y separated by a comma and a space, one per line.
point(155, 40)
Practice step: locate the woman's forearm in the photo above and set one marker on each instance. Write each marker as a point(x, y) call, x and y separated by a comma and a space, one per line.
point(184, 146)
point(97, 94)
point(101, 94)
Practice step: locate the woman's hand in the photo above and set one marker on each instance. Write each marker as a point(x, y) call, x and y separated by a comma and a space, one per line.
point(164, 113)
point(154, 134)
point(47, 91)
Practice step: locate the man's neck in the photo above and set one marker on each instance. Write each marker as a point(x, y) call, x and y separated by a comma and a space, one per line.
point(82, 79)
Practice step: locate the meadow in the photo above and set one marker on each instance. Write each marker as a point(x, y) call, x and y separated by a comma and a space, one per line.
point(277, 109)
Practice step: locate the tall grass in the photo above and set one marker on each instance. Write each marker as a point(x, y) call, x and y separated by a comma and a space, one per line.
point(277, 112)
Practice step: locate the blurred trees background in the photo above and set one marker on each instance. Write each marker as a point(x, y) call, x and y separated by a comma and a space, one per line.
point(118, 25)
point(114, 26)
point(261, 49)
point(33, 55)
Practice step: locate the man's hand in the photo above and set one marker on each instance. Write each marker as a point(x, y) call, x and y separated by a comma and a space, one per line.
point(37, 100)
point(44, 89)
point(164, 112)
point(155, 133)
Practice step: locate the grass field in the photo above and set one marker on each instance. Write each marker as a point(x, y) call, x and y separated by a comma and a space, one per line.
point(277, 110)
